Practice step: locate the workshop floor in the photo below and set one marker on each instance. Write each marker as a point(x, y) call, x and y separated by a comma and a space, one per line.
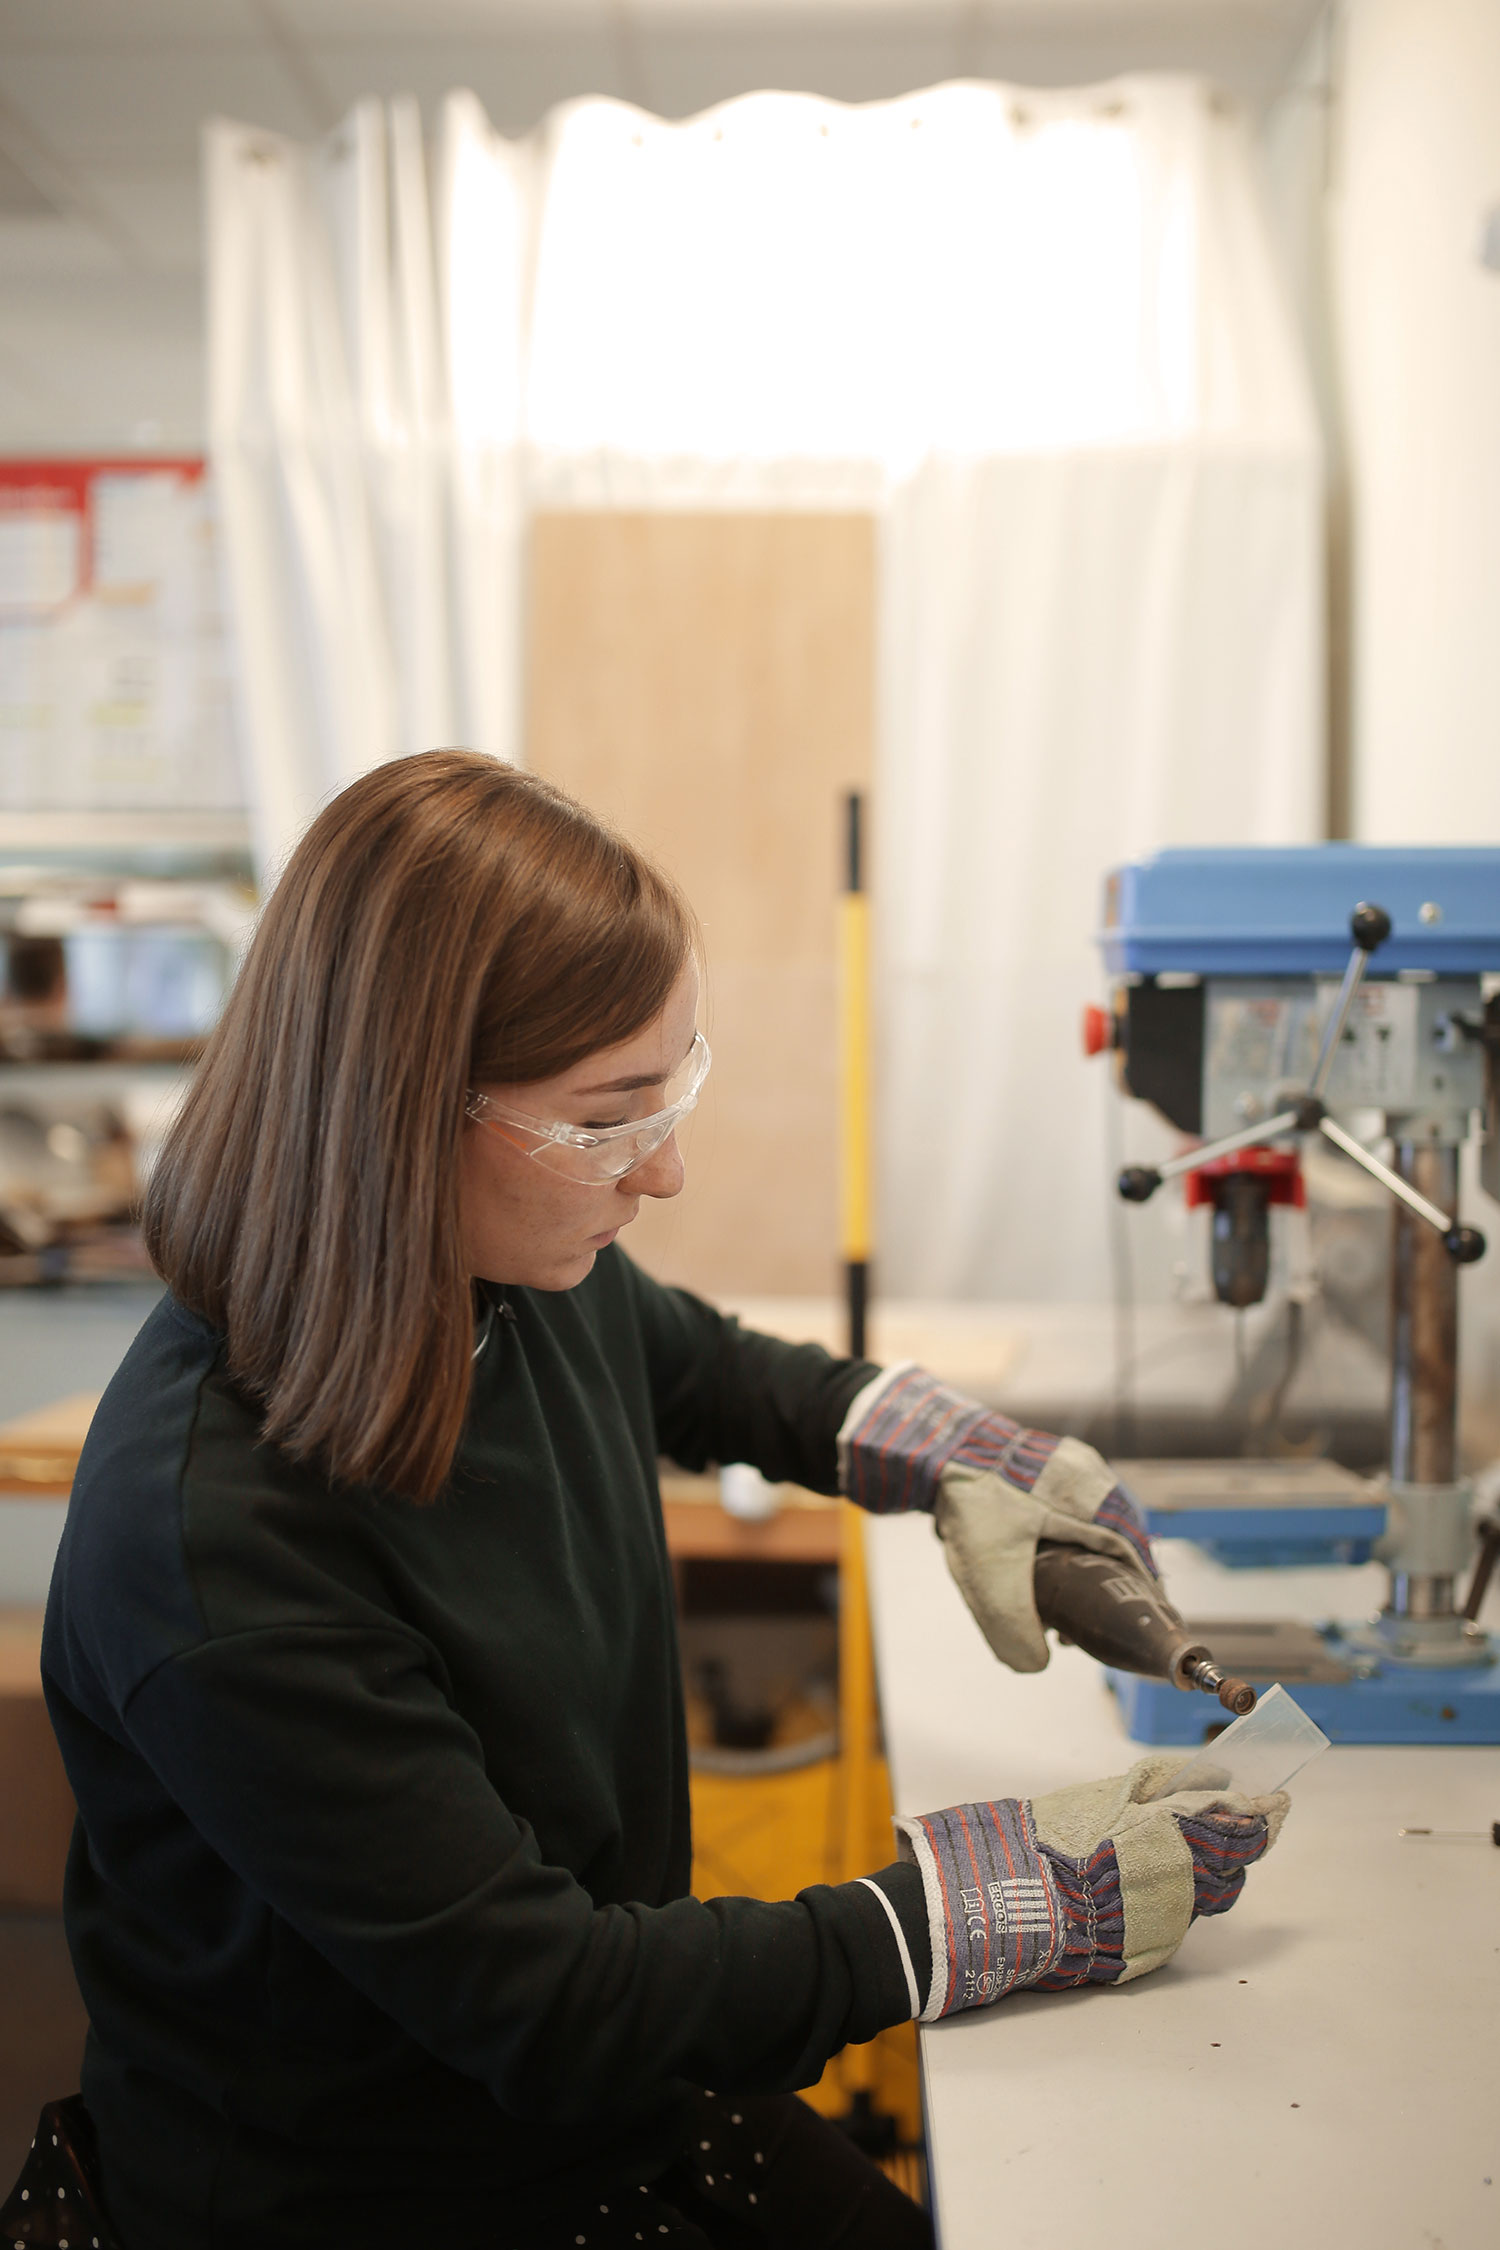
point(42, 2024)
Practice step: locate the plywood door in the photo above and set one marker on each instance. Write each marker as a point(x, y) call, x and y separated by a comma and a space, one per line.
point(707, 682)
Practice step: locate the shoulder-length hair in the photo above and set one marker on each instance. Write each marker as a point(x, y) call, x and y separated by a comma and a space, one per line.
point(446, 919)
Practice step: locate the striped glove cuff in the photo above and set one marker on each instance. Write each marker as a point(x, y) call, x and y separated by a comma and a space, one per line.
point(905, 1428)
point(1005, 1912)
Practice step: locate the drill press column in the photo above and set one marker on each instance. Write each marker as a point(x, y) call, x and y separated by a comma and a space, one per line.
point(1424, 1324)
point(1424, 1376)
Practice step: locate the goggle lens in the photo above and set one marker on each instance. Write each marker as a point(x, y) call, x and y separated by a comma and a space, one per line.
point(595, 1156)
point(611, 1159)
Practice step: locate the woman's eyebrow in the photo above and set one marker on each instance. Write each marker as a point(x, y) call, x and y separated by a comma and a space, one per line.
point(627, 1085)
point(634, 1085)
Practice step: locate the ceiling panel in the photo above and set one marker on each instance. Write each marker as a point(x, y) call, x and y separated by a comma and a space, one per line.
point(1243, 51)
point(320, 20)
point(745, 18)
point(163, 216)
point(93, 107)
point(77, 24)
point(22, 197)
point(518, 80)
point(1037, 15)
point(684, 71)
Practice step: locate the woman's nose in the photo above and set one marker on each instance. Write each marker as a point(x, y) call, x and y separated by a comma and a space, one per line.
point(660, 1174)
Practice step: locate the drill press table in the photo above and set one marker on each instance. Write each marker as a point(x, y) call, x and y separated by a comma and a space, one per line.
point(1316, 2068)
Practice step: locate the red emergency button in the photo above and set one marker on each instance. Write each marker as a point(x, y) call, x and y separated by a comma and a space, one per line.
point(1098, 1030)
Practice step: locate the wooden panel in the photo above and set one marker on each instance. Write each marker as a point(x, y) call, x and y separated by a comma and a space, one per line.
point(707, 682)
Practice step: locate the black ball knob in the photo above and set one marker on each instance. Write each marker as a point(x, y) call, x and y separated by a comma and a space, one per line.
point(1138, 1183)
point(1464, 1245)
point(1369, 926)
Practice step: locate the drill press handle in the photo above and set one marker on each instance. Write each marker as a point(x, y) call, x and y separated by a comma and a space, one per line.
point(1369, 927)
point(1463, 1244)
point(1139, 1182)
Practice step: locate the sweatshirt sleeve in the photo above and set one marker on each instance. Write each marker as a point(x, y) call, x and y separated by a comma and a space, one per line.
point(328, 1770)
point(721, 1392)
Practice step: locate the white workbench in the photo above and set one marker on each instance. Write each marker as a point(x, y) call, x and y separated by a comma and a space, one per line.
point(1319, 2067)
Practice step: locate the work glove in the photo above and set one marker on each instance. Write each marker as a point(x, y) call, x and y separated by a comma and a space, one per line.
point(993, 1489)
point(1091, 1885)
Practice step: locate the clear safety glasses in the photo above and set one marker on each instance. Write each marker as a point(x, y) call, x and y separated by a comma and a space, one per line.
point(595, 1154)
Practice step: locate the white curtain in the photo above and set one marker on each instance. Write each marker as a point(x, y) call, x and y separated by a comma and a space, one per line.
point(483, 222)
point(364, 379)
point(1037, 332)
point(1085, 658)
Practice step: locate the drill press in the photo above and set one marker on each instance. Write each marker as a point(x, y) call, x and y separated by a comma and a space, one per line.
point(1261, 996)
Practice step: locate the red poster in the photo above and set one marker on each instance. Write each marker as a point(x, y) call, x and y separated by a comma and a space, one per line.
point(112, 667)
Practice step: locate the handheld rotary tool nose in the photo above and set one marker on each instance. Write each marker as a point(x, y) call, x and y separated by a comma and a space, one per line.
point(1125, 1620)
point(1237, 1696)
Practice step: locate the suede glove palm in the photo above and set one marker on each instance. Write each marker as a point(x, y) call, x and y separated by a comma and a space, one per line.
point(993, 1488)
point(1090, 1885)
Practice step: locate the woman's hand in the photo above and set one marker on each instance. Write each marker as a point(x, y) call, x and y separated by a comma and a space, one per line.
point(1092, 1885)
point(993, 1488)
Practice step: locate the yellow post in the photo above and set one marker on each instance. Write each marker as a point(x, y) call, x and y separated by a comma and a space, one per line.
point(856, 1663)
point(856, 1693)
point(854, 1088)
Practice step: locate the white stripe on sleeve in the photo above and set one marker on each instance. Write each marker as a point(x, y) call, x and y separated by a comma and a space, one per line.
point(894, 1918)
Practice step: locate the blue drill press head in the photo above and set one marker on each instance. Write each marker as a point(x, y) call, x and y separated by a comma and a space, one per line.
point(1283, 910)
point(1249, 980)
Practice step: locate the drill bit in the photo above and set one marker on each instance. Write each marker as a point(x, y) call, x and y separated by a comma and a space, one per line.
point(1457, 1835)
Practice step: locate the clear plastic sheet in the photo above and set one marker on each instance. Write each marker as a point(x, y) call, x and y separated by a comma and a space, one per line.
point(1258, 1754)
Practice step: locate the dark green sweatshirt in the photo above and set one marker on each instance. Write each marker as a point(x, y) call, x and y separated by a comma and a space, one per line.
point(378, 1895)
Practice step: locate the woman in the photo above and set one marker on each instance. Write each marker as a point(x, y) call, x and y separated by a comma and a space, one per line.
point(361, 1645)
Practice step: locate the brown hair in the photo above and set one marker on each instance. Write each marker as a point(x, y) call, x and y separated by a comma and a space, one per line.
point(446, 918)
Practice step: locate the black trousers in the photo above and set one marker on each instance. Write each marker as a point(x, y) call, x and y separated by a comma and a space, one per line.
point(757, 2173)
point(761, 2172)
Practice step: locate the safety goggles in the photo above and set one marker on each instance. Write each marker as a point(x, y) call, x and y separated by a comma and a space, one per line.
point(594, 1154)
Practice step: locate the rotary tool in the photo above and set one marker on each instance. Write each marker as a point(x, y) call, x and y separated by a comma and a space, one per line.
point(1124, 1619)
